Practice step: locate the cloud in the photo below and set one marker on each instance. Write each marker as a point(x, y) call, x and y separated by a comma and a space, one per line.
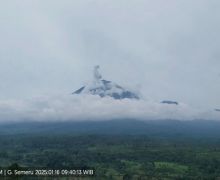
point(169, 48)
point(87, 107)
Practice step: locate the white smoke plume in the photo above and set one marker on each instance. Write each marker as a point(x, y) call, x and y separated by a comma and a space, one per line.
point(97, 75)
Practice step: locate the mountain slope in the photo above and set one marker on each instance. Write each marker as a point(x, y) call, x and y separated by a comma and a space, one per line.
point(163, 128)
point(105, 88)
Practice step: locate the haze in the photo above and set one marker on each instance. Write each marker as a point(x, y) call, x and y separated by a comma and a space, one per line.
point(162, 49)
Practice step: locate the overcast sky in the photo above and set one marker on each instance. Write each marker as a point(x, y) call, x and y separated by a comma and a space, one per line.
point(164, 49)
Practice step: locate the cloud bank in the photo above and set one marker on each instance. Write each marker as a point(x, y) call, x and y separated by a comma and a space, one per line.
point(94, 108)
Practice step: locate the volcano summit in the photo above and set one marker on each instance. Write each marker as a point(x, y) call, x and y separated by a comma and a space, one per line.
point(105, 88)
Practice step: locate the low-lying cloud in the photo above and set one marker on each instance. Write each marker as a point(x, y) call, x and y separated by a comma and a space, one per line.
point(87, 107)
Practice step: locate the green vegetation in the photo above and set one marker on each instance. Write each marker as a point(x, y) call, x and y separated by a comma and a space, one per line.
point(116, 157)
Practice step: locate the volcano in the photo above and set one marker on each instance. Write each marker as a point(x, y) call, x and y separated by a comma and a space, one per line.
point(105, 88)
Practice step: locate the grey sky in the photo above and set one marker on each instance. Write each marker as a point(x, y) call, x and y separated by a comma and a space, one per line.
point(167, 49)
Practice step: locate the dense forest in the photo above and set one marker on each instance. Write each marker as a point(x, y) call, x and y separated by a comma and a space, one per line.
point(116, 156)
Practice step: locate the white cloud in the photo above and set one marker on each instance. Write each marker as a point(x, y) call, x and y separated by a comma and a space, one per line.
point(168, 48)
point(87, 107)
